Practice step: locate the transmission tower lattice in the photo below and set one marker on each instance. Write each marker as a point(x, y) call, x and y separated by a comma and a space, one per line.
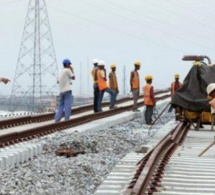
point(35, 77)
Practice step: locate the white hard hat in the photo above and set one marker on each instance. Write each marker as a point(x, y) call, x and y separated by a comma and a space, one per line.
point(210, 88)
point(101, 63)
point(95, 61)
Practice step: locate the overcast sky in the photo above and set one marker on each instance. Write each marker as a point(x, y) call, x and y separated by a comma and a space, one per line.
point(156, 32)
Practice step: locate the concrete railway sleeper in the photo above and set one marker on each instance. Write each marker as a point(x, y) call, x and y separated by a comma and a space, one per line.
point(151, 167)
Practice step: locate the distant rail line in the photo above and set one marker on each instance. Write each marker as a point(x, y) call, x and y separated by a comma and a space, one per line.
point(35, 132)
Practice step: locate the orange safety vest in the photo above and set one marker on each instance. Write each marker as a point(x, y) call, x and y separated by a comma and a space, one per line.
point(173, 88)
point(101, 81)
point(135, 80)
point(146, 95)
point(113, 80)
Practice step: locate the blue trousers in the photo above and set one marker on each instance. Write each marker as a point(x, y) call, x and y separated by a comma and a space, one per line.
point(112, 98)
point(65, 106)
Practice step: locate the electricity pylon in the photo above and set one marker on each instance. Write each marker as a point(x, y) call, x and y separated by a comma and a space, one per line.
point(35, 77)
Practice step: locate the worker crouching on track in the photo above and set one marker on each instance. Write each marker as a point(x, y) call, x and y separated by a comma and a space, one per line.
point(149, 99)
point(103, 87)
point(113, 81)
point(135, 84)
point(64, 81)
point(95, 85)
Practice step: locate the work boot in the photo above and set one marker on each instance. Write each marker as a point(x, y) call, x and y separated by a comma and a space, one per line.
point(112, 107)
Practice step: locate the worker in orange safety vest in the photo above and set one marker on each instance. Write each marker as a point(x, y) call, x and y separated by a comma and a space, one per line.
point(174, 87)
point(135, 84)
point(113, 84)
point(176, 84)
point(103, 87)
point(149, 99)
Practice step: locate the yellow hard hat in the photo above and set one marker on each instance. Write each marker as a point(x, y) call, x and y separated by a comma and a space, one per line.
point(138, 63)
point(148, 77)
point(113, 66)
point(177, 76)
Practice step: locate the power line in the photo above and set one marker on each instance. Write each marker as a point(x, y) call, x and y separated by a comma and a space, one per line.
point(151, 41)
point(175, 13)
point(116, 30)
point(141, 25)
point(193, 12)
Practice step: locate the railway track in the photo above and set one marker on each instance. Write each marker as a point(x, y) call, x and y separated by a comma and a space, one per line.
point(12, 136)
point(174, 166)
point(152, 165)
point(12, 122)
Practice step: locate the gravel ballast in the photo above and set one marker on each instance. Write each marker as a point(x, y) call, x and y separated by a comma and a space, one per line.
point(81, 175)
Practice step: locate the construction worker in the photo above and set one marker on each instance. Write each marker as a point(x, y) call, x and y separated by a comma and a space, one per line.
point(149, 99)
point(4, 80)
point(113, 81)
point(176, 84)
point(103, 87)
point(211, 92)
point(135, 84)
point(64, 81)
point(174, 87)
point(95, 85)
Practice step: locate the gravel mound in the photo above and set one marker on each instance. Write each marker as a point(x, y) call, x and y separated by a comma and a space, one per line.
point(49, 174)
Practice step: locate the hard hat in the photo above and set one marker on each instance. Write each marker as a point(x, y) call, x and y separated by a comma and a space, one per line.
point(138, 63)
point(66, 62)
point(113, 66)
point(177, 76)
point(95, 61)
point(210, 88)
point(148, 77)
point(101, 63)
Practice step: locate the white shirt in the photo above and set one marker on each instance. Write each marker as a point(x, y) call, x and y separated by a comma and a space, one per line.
point(64, 78)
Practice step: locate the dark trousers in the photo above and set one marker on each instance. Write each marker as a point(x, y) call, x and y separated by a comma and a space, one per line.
point(148, 114)
point(96, 97)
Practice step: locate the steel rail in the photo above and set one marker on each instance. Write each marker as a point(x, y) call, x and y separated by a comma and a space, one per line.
point(15, 137)
point(151, 168)
point(12, 122)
